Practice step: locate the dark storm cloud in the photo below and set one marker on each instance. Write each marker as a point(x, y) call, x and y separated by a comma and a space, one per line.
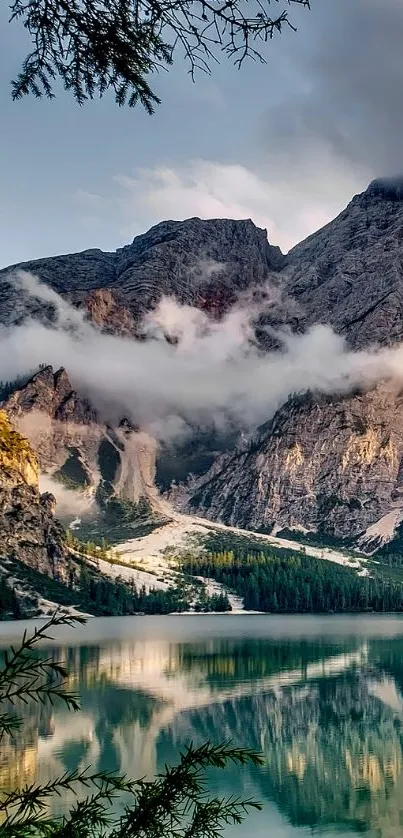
point(351, 98)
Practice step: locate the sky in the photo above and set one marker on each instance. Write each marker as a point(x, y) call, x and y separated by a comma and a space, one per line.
point(286, 144)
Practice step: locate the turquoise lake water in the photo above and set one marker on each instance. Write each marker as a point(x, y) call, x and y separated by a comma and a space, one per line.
point(321, 697)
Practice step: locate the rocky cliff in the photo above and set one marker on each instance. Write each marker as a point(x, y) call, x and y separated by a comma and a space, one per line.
point(77, 451)
point(350, 273)
point(28, 529)
point(329, 465)
point(62, 426)
point(203, 263)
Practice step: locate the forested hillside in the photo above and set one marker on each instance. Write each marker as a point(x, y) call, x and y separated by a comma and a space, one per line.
point(284, 581)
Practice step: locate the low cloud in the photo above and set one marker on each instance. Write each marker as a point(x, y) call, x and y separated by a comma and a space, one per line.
point(70, 502)
point(208, 373)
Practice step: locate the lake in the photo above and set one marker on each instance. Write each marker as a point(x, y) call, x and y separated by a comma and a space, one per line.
point(321, 697)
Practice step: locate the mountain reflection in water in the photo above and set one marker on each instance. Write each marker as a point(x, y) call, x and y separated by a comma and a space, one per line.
point(326, 709)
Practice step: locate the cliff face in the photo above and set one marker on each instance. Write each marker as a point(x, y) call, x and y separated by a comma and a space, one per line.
point(75, 447)
point(350, 274)
point(28, 530)
point(203, 263)
point(61, 425)
point(324, 464)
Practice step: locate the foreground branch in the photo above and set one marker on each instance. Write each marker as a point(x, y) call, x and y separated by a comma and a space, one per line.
point(117, 44)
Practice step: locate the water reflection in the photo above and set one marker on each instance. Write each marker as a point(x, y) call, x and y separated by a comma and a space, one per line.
point(326, 711)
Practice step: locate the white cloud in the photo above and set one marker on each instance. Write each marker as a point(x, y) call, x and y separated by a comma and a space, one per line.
point(290, 201)
point(214, 372)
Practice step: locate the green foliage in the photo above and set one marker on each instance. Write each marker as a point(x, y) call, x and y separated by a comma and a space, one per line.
point(392, 553)
point(283, 581)
point(119, 519)
point(316, 539)
point(93, 549)
point(175, 804)
point(116, 44)
point(216, 602)
point(88, 590)
point(106, 597)
point(46, 586)
point(9, 387)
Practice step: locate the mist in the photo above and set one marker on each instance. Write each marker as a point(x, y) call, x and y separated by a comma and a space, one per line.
point(69, 502)
point(208, 373)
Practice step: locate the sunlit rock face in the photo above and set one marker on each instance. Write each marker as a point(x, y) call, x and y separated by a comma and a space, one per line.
point(28, 530)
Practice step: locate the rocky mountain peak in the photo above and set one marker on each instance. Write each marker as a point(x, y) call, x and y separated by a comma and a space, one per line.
point(388, 189)
point(334, 461)
point(206, 263)
point(51, 393)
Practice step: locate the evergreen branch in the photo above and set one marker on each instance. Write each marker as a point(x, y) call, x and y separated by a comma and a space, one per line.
point(117, 44)
point(8, 725)
point(34, 797)
point(210, 816)
point(26, 677)
point(166, 801)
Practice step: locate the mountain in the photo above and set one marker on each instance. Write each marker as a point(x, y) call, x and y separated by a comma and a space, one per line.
point(202, 263)
point(331, 465)
point(89, 465)
point(328, 465)
point(350, 273)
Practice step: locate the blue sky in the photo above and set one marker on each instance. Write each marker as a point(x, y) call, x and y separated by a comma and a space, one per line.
point(287, 143)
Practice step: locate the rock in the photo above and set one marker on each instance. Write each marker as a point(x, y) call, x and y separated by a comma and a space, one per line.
point(324, 464)
point(349, 274)
point(105, 312)
point(76, 448)
point(203, 263)
point(28, 530)
point(61, 425)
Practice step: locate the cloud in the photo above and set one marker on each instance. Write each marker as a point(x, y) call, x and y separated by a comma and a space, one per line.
point(70, 502)
point(209, 373)
point(348, 107)
point(290, 205)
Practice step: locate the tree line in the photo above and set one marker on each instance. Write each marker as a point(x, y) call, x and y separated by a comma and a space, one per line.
point(283, 581)
point(110, 597)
